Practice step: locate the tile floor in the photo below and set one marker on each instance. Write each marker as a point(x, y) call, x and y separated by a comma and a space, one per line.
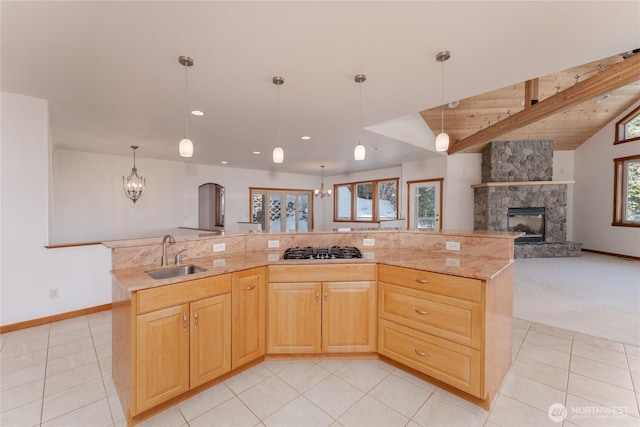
point(60, 375)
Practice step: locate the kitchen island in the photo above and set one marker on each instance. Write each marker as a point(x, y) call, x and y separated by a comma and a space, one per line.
point(437, 312)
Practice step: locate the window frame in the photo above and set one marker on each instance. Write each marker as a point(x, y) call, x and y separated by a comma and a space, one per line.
point(268, 191)
point(620, 186)
point(620, 134)
point(375, 215)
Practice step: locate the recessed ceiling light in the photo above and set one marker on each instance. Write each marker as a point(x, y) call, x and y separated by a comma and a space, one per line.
point(256, 152)
point(306, 137)
point(224, 162)
point(197, 113)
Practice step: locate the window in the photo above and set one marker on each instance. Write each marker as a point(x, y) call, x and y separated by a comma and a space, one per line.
point(367, 201)
point(628, 129)
point(626, 195)
point(282, 210)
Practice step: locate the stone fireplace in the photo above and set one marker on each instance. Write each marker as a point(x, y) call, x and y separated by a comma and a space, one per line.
point(517, 194)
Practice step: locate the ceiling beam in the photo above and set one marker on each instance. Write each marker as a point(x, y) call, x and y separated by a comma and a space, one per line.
point(611, 78)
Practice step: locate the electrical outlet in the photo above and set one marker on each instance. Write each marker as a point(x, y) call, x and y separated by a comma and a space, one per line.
point(453, 246)
point(219, 247)
point(368, 242)
point(273, 244)
point(53, 293)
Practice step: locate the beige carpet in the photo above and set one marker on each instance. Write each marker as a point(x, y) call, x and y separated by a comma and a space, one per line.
point(593, 294)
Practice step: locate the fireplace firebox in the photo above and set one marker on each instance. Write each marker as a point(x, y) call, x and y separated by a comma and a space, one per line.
point(529, 221)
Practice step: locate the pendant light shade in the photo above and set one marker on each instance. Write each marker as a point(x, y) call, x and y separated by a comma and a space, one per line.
point(442, 140)
point(359, 152)
point(278, 152)
point(133, 185)
point(185, 148)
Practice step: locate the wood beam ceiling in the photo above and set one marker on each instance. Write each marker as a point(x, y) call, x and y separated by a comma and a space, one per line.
point(609, 79)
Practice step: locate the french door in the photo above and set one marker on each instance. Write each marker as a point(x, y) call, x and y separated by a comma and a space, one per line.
point(425, 204)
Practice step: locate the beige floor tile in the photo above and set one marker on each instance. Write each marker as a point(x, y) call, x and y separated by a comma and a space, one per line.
point(24, 361)
point(266, 397)
point(21, 395)
point(601, 371)
point(299, 412)
point(586, 413)
point(232, 413)
point(511, 412)
point(334, 395)
point(205, 401)
point(441, 412)
point(531, 392)
point(303, 375)
point(547, 340)
point(95, 414)
point(400, 395)
point(71, 378)
point(599, 354)
point(26, 415)
point(248, 378)
point(21, 376)
point(371, 413)
point(602, 393)
point(362, 373)
point(546, 355)
point(71, 399)
point(562, 333)
point(598, 342)
point(169, 418)
point(74, 360)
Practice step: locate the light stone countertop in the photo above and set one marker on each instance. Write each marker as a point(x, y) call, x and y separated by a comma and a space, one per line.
point(476, 267)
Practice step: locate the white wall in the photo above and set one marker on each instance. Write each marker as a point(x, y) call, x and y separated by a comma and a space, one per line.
point(27, 270)
point(593, 194)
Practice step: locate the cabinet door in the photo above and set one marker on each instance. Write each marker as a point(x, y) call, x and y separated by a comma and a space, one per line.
point(349, 316)
point(248, 322)
point(210, 339)
point(293, 320)
point(162, 359)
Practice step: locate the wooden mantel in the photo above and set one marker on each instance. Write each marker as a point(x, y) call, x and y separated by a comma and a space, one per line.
point(504, 184)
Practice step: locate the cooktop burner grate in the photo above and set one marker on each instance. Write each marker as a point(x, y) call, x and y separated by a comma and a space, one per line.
point(333, 252)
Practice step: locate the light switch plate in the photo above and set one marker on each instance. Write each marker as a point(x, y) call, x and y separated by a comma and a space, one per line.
point(453, 246)
point(219, 247)
point(273, 244)
point(368, 242)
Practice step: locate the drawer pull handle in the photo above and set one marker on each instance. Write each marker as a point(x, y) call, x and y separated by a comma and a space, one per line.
point(421, 353)
point(250, 288)
point(423, 281)
point(417, 310)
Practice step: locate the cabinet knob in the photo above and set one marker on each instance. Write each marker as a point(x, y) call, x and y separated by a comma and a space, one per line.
point(421, 353)
point(423, 281)
point(422, 312)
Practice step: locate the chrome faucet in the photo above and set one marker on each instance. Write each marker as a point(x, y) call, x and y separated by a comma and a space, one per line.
point(168, 238)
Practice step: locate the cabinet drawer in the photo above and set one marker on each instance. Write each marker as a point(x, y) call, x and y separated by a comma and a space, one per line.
point(451, 363)
point(183, 292)
point(443, 284)
point(321, 273)
point(450, 318)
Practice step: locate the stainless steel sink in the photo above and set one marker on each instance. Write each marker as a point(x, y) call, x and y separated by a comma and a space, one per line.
point(177, 271)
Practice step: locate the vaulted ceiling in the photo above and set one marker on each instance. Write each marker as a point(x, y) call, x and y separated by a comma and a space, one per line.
point(110, 73)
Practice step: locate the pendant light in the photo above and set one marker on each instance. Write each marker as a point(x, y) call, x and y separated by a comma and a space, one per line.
point(442, 140)
point(322, 192)
point(186, 146)
point(133, 185)
point(359, 152)
point(278, 152)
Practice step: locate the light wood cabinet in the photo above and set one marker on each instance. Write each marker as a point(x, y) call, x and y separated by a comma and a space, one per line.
point(248, 316)
point(454, 329)
point(331, 316)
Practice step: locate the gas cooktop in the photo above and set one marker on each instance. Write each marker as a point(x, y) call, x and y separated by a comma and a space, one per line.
point(333, 252)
